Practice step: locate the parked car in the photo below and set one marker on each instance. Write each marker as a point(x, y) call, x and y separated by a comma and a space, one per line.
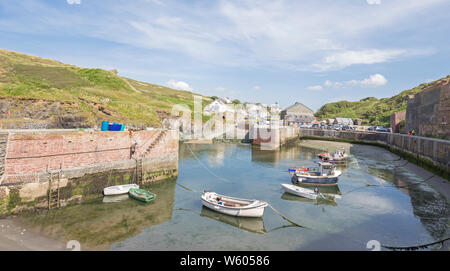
point(329, 126)
point(345, 127)
point(315, 125)
point(337, 127)
point(381, 129)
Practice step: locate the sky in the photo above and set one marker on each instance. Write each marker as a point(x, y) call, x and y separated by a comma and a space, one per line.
point(310, 51)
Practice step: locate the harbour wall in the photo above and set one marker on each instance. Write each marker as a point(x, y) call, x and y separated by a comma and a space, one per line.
point(76, 165)
point(431, 153)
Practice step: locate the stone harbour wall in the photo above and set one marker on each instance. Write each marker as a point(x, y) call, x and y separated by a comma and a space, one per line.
point(432, 151)
point(79, 164)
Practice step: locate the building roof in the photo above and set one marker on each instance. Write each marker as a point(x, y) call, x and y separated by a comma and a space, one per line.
point(299, 108)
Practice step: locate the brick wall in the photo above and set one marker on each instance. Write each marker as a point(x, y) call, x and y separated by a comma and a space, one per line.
point(436, 151)
point(35, 152)
point(396, 118)
point(428, 112)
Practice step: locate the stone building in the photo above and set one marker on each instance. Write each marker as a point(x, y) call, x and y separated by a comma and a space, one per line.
point(428, 112)
point(296, 114)
point(396, 119)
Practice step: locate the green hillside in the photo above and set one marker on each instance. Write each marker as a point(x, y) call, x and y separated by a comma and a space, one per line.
point(371, 111)
point(37, 90)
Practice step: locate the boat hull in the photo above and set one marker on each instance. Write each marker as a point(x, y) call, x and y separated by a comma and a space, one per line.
point(299, 191)
point(118, 189)
point(256, 209)
point(142, 195)
point(313, 180)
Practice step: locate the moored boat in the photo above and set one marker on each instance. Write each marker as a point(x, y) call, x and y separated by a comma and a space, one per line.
point(338, 156)
point(233, 206)
point(141, 195)
point(118, 189)
point(300, 191)
point(326, 174)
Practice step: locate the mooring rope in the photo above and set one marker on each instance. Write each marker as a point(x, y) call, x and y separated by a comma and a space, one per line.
point(268, 204)
point(189, 189)
point(204, 166)
point(285, 217)
point(417, 247)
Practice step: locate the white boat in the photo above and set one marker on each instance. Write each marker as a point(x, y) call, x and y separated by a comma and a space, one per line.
point(300, 191)
point(233, 206)
point(118, 189)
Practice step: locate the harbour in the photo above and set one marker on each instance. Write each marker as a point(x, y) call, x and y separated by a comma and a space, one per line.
point(379, 196)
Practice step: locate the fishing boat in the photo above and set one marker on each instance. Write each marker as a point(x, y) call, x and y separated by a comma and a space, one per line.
point(339, 155)
point(326, 174)
point(141, 195)
point(118, 189)
point(233, 206)
point(300, 191)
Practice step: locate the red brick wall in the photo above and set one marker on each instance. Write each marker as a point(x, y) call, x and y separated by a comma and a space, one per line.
point(33, 152)
point(396, 118)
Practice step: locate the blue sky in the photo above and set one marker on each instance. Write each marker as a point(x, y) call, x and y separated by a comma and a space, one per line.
point(309, 51)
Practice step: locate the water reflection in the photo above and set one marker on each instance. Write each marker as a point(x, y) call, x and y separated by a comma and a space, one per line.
point(99, 223)
point(249, 224)
point(290, 152)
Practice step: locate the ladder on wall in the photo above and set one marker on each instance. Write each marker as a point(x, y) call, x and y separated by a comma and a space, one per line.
point(54, 194)
point(139, 171)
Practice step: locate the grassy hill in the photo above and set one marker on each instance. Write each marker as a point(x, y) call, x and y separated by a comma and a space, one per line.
point(37, 91)
point(371, 111)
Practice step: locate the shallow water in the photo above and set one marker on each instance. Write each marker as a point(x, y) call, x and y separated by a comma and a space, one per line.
point(352, 214)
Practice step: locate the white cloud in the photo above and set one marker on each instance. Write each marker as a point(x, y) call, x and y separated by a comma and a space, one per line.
point(328, 83)
point(374, 2)
point(257, 88)
point(74, 2)
point(347, 58)
point(373, 81)
point(315, 88)
point(179, 85)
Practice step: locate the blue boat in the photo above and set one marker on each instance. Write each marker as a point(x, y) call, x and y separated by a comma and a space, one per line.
point(326, 174)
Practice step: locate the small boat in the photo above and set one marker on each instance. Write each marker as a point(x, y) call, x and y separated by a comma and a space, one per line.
point(339, 155)
point(323, 155)
point(141, 195)
point(118, 189)
point(233, 206)
point(300, 191)
point(325, 175)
